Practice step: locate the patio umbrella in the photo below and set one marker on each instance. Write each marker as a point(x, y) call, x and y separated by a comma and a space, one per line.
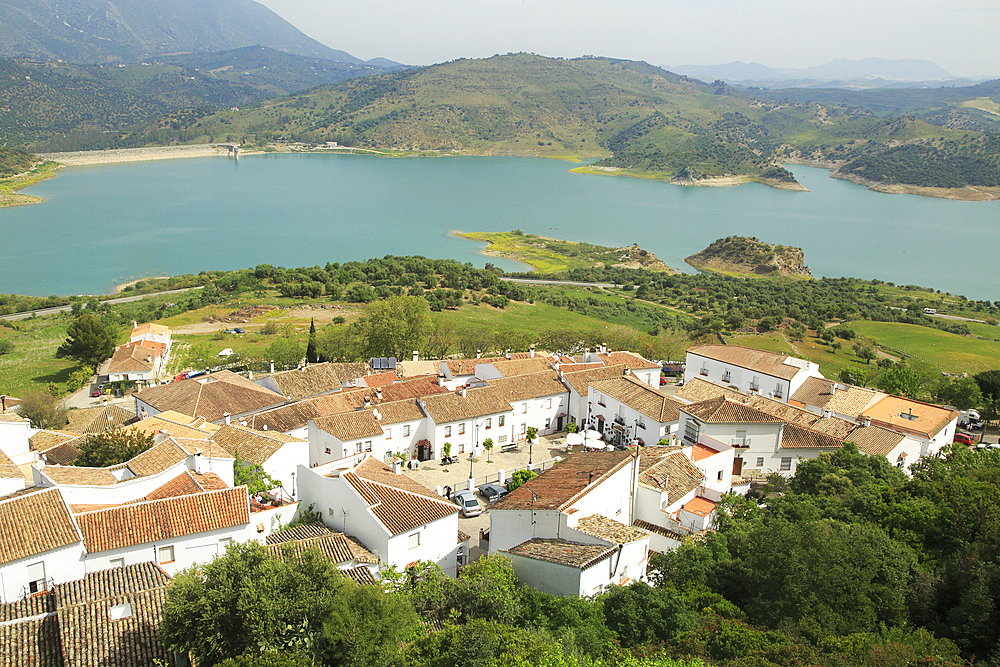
point(574, 439)
point(591, 434)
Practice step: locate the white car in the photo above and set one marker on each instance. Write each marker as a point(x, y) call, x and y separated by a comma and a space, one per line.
point(469, 503)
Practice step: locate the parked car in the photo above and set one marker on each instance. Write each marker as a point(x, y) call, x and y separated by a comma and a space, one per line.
point(663, 381)
point(493, 492)
point(964, 439)
point(972, 424)
point(469, 503)
point(238, 330)
point(96, 391)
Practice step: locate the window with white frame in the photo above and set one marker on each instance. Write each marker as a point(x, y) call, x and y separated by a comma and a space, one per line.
point(786, 463)
point(357, 447)
point(548, 403)
point(461, 448)
point(489, 422)
point(524, 429)
point(719, 478)
point(500, 420)
point(36, 577)
point(406, 430)
point(388, 434)
point(691, 429)
point(760, 461)
point(524, 408)
point(461, 428)
point(368, 445)
point(165, 554)
point(413, 541)
point(600, 400)
point(447, 431)
point(327, 450)
point(501, 438)
point(547, 423)
point(117, 562)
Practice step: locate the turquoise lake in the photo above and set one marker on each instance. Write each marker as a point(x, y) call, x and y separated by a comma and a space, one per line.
point(104, 225)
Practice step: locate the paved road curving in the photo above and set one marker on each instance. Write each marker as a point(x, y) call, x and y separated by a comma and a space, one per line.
point(62, 309)
point(533, 281)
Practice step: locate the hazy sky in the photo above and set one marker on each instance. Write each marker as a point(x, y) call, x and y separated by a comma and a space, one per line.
point(962, 36)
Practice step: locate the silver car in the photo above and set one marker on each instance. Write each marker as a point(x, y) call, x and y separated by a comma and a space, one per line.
point(469, 503)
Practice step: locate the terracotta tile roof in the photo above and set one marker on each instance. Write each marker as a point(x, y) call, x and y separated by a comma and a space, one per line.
point(154, 520)
point(336, 546)
point(77, 475)
point(93, 421)
point(463, 537)
point(45, 440)
point(604, 528)
point(512, 367)
point(658, 530)
point(630, 359)
point(533, 385)
point(64, 454)
point(157, 458)
point(211, 396)
point(305, 531)
point(253, 446)
point(580, 381)
point(832, 426)
point(316, 379)
point(572, 366)
point(34, 523)
point(562, 484)
point(206, 448)
point(412, 369)
point(640, 396)
point(674, 473)
point(794, 436)
point(699, 506)
point(477, 402)
point(846, 399)
point(187, 483)
point(398, 412)
point(361, 574)
point(415, 388)
point(563, 552)
point(723, 410)
point(78, 630)
point(397, 502)
point(150, 329)
point(468, 366)
point(349, 426)
point(174, 424)
point(895, 413)
point(379, 379)
point(875, 440)
point(767, 363)
point(133, 359)
point(697, 390)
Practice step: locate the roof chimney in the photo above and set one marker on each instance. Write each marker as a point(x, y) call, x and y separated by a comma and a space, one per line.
point(440, 379)
point(827, 413)
point(378, 394)
point(603, 349)
point(461, 391)
point(591, 480)
point(833, 388)
point(368, 402)
point(507, 355)
point(416, 355)
point(531, 351)
point(272, 365)
point(265, 427)
point(479, 354)
point(868, 422)
point(250, 376)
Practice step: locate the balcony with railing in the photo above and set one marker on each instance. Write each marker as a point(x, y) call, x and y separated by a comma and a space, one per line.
point(619, 420)
point(754, 386)
point(727, 376)
point(703, 371)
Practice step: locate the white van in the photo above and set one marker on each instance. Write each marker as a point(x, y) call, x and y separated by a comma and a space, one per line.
point(930, 311)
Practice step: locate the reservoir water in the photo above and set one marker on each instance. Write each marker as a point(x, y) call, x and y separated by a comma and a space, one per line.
point(104, 225)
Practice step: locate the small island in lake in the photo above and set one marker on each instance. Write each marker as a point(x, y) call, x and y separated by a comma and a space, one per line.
point(547, 255)
point(749, 256)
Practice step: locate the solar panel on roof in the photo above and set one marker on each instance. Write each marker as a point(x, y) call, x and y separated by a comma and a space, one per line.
point(391, 363)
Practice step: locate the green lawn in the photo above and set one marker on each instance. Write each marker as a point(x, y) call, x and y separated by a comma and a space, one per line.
point(33, 362)
point(949, 352)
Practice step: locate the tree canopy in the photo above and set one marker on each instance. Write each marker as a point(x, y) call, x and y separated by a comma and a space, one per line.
point(89, 340)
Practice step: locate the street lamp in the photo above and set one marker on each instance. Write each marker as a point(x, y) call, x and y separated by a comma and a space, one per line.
point(475, 440)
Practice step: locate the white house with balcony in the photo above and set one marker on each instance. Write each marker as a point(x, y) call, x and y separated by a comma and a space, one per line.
point(391, 515)
point(777, 376)
point(627, 411)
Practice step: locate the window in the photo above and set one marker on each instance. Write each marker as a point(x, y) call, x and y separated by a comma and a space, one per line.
point(786, 463)
point(618, 508)
point(329, 510)
point(691, 430)
point(165, 554)
point(447, 431)
point(754, 384)
point(489, 422)
point(726, 376)
point(327, 450)
point(36, 577)
point(388, 434)
point(524, 429)
point(600, 400)
point(461, 448)
point(406, 431)
point(120, 611)
point(547, 423)
point(778, 391)
point(548, 403)
point(760, 461)
point(413, 540)
point(720, 476)
point(524, 408)
point(357, 447)
point(461, 428)
point(368, 445)
point(703, 371)
point(117, 562)
point(500, 420)
point(501, 438)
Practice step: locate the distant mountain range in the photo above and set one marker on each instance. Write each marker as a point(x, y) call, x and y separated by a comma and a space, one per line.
point(840, 73)
point(111, 31)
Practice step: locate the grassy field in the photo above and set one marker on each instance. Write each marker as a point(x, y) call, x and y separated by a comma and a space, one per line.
point(949, 352)
point(9, 186)
point(548, 255)
point(33, 363)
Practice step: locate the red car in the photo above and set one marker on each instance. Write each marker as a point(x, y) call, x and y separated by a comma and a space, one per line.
point(964, 439)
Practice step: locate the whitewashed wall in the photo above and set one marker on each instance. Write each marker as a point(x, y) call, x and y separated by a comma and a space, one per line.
point(61, 565)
